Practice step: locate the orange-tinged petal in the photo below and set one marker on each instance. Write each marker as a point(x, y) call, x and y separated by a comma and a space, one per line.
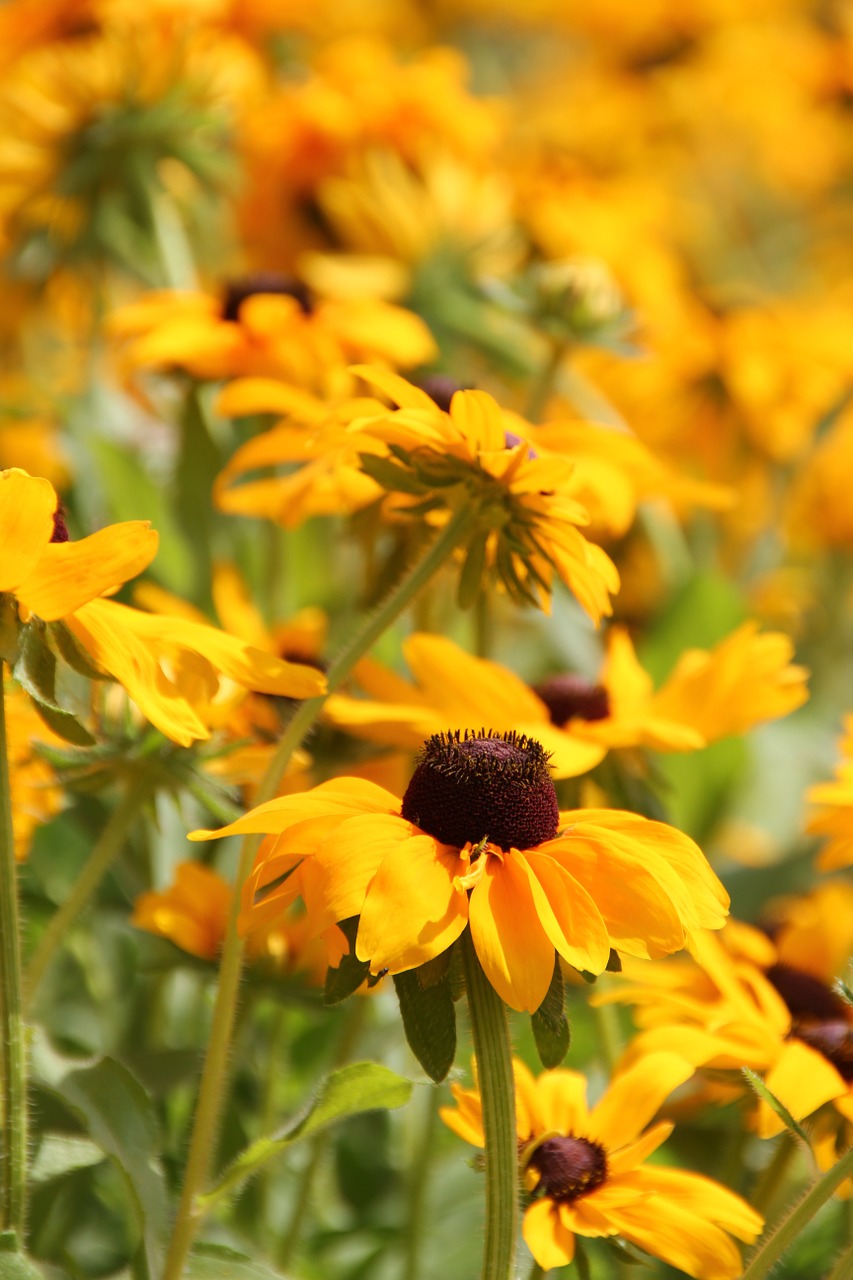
point(248, 396)
point(561, 1101)
point(568, 914)
point(131, 663)
point(27, 504)
point(516, 953)
point(550, 1242)
point(684, 1239)
point(466, 1118)
point(634, 1096)
point(412, 911)
point(703, 1196)
point(338, 877)
point(348, 796)
point(803, 1080)
point(70, 574)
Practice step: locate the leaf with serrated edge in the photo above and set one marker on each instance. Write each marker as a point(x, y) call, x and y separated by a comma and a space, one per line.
point(362, 1086)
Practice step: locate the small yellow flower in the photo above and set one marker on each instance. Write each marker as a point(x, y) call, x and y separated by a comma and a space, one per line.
point(586, 1173)
point(479, 841)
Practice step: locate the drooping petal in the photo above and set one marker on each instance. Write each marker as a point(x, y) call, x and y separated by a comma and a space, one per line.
point(412, 911)
point(344, 866)
point(551, 1244)
point(27, 504)
point(513, 947)
point(703, 1196)
point(803, 1080)
point(684, 1239)
point(568, 914)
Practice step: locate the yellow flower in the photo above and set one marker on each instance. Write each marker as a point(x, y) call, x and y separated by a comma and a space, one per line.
point(531, 520)
point(453, 688)
point(56, 580)
point(834, 819)
point(193, 913)
point(724, 1011)
point(586, 1175)
point(268, 325)
point(479, 841)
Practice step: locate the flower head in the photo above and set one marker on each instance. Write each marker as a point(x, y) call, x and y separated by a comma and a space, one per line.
point(586, 1176)
point(478, 841)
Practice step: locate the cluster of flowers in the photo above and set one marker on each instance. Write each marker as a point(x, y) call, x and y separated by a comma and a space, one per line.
point(563, 370)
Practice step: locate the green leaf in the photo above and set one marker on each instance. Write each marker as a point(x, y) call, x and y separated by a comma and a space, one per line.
point(59, 1153)
point(117, 1114)
point(218, 1262)
point(758, 1086)
point(13, 1264)
point(550, 1024)
point(65, 725)
point(389, 475)
point(362, 1086)
point(67, 647)
point(350, 973)
point(429, 1021)
point(35, 670)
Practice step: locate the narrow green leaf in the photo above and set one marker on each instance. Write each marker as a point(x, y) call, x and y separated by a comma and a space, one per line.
point(218, 1262)
point(64, 725)
point(758, 1086)
point(35, 669)
point(362, 1086)
point(67, 647)
point(117, 1115)
point(429, 1021)
point(389, 475)
point(550, 1024)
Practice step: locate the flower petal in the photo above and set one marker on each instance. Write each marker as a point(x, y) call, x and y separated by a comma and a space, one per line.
point(516, 954)
point(568, 914)
point(550, 1242)
point(346, 796)
point(70, 574)
point(412, 911)
point(27, 504)
point(634, 1097)
point(803, 1080)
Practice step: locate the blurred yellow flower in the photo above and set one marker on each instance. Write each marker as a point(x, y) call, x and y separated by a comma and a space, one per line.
point(36, 794)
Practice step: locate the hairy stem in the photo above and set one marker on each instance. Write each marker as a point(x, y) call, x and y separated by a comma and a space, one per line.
point(13, 1049)
point(490, 1027)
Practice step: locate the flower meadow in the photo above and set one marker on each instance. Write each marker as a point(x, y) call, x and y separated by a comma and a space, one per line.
point(426, 615)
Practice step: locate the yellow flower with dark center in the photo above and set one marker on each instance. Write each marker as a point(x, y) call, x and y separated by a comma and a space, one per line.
point(171, 667)
point(478, 841)
point(586, 1173)
point(746, 679)
point(724, 1011)
point(268, 325)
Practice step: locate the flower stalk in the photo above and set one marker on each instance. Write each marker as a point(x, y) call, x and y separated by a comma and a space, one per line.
point(490, 1028)
point(214, 1073)
point(13, 1050)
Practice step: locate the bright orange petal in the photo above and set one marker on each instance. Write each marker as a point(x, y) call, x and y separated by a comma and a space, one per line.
point(568, 914)
point(551, 1244)
point(70, 574)
point(513, 947)
point(412, 911)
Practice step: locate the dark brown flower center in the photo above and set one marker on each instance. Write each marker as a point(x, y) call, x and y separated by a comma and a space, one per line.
point(471, 787)
point(60, 529)
point(569, 1167)
point(806, 996)
point(441, 388)
point(237, 291)
point(834, 1039)
point(570, 697)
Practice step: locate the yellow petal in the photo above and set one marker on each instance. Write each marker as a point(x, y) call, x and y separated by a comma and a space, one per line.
point(633, 1154)
point(684, 1239)
point(395, 388)
point(347, 796)
point(342, 869)
point(561, 1101)
point(634, 1096)
point(516, 954)
point(803, 1080)
point(412, 911)
point(27, 504)
point(551, 1244)
point(568, 914)
point(70, 574)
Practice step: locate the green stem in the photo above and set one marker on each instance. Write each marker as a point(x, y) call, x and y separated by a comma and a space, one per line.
point(106, 851)
point(415, 1218)
point(212, 1086)
point(490, 1028)
point(789, 1228)
point(13, 1050)
point(343, 1054)
point(542, 386)
point(536, 1272)
point(770, 1181)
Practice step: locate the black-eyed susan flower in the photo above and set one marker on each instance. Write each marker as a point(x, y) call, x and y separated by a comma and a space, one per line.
point(586, 1174)
point(478, 841)
point(170, 666)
